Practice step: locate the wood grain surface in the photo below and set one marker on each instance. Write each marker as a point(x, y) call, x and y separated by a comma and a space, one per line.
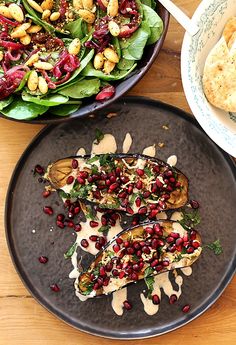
point(22, 319)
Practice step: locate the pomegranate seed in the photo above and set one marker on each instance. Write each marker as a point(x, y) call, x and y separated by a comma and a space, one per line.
point(194, 204)
point(142, 210)
point(149, 230)
point(90, 179)
point(84, 243)
point(92, 277)
point(179, 241)
point(98, 246)
point(155, 299)
point(146, 250)
point(116, 248)
point(162, 204)
point(69, 180)
point(154, 263)
point(70, 224)
point(93, 238)
point(48, 210)
point(190, 250)
point(135, 220)
point(102, 240)
point(136, 267)
point(38, 169)
point(158, 268)
point(97, 194)
point(170, 239)
point(55, 288)
point(77, 210)
point(43, 259)
point(60, 224)
point(119, 240)
point(109, 267)
point(93, 224)
point(146, 194)
point(127, 305)
point(159, 183)
point(154, 243)
point(122, 274)
point(172, 180)
point(102, 271)
point(77, 227)
point(165, 196)
point(118, 171)
point(157, 229)
point(172, 249)
point(154, 188)
point(186, 308)
point(115, 273)
point(134, 276)
point(67, 203)
point(195, 244)
point(139, 253)
point(172, 299)
point(74, 163)
point(178, 184)
point(113, 179)
point(124, 179)
point(113, 186)
point(83, 174)
point(106, 281)
point(153, 214)
point(138, 202)
point(80, 180)
point(46, 193)
point(60, 217)
point(140, 172)
point(141, 265)
point(156, 169)
point(139, 185)
point(130, 250)
point(174, 234)
point(96, 286)
point(129, 210)
point(136, 245)
point(193, 235)
point(122, 195)
point(165, 263)
point(130, 189)
point(107, 182)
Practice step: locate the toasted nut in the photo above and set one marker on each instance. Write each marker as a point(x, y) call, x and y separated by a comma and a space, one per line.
point(33, 81)
point(111, 55)
point(43, 65)
point(47, 5)
point(77, 4)
point(54, 16)
point(35, 6)
point(114, 28)
point(18, 32)
point(46, 14)
point(25, 26)
point(4, 11)
point(16, 12)
point(112, 8)
point(98, 61)
point(105, 3)
point(1, 55)
point(43, 86)
point(87, 4)
point(74, 47)
point(34, 29)
point(34, 58)
point(87, 16)
point(108, 66)
point(25, 39)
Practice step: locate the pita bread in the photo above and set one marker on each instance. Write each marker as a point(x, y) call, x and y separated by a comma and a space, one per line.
point(229, 29)
point(219, 77)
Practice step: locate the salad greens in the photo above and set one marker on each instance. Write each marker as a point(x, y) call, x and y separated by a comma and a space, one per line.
point(70, 45)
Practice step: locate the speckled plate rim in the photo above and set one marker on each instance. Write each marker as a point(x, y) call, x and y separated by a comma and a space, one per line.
point(45, 131)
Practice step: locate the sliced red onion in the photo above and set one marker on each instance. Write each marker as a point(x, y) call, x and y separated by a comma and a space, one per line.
point(11, 45)
point(5, 20)
point(106, 93)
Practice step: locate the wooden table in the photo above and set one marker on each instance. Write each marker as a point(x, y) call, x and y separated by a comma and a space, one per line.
point(22, 319)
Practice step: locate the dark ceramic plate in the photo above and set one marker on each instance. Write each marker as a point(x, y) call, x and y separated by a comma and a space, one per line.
point(90, 105)
point(212, 178)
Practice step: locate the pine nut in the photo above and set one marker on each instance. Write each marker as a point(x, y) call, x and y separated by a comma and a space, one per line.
point(33, 81)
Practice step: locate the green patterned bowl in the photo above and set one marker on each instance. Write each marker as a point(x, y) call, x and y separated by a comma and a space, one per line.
point(211, 17)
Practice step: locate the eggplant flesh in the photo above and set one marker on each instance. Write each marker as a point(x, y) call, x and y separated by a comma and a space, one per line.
point(128, 182)
point(142, 251)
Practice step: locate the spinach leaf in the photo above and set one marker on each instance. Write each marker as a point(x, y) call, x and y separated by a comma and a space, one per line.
point(150, 3)
point(48, 101)
point(64, 109)
point(77, 28)
point(5, 102)
point(90, 71)
point(125, 64)
point(116, 44)
point(154, 22)
point(22, 110)
point(81, 89)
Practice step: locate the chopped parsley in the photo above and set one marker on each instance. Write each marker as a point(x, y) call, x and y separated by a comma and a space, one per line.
point(93, 159)
point(70, 251)
point(216, 247)
point(94, 169)
point(99, 135)
point(148, 172)
point(104, 229)
point(178, 258)
point(190, 219)
point(81, 193)
point(89, 213)
point(63, 195)
point(149, 280)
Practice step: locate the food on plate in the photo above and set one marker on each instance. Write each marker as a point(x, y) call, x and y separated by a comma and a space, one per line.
point(140, 252)
point(54, 54)
point(219, 76)
point(128, 182)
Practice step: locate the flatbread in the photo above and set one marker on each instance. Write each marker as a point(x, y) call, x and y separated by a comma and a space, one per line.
point(229, 29)
point(219, 76)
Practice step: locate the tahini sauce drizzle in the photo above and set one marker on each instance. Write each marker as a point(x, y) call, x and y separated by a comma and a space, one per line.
point(127, 143)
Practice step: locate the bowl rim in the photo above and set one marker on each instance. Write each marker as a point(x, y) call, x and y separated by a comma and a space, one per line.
point(128, 82)
point(216, 136)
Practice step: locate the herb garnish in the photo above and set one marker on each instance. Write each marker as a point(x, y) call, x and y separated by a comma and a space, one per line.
point(93, 159)
point(148, 172)
point(94, 169)
point(104, 229)
point(63, 195)
point(149, 280)
point(190, 219)
point(70, 251)
point(178, 258)
point(89, 214)
point(216, 247)
point(81, 193)
point(99, 136)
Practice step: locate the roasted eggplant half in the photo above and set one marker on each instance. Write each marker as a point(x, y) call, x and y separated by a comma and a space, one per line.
point(128, 182)
point(142, 251)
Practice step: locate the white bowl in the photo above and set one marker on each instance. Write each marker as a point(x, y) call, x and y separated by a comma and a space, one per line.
point(211, 17)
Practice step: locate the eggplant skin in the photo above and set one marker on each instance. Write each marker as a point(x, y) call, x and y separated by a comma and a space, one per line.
point(139, 252)
point(116, 180)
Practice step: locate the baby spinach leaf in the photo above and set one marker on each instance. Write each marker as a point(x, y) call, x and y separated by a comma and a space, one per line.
point(64, 109)
point(154, 22)
point(116, 45)
point(83, 88)
point(150, 3)
point(77, 28)
point(22, 110)
point(5, 102)
point(48, 101)
point(125, 64)
point(90, 71)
